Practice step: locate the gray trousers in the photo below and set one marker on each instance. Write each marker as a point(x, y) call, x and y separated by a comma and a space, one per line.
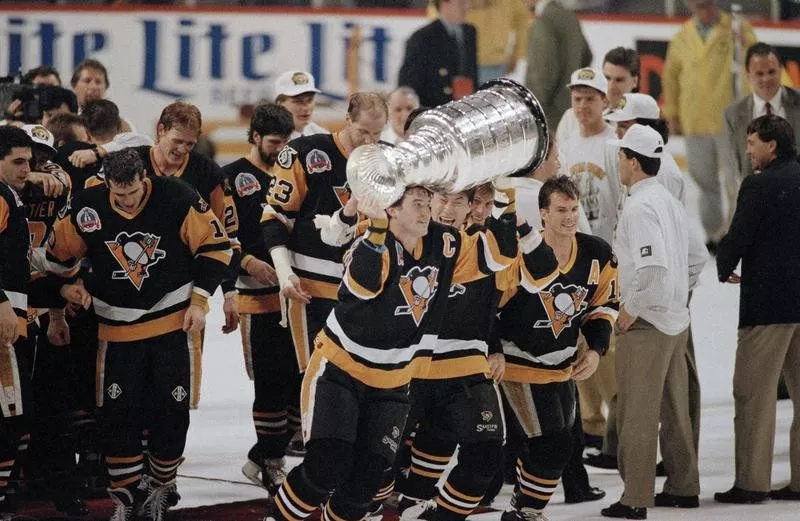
point(707, 158)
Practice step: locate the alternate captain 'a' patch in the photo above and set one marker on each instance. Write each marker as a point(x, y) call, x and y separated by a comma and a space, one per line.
point(135, 254)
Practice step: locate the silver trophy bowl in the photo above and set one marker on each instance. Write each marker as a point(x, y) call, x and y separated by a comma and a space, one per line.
point(498, 131)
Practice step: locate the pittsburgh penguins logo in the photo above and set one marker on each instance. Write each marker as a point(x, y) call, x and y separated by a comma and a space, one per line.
point(135, 254)
point(562, 304)
point(418, 287)
point(342, 193)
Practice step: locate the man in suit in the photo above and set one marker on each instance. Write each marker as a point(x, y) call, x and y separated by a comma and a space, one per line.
point(556, 47)
point(763, 235)
point(441, 58)
point(769, 97)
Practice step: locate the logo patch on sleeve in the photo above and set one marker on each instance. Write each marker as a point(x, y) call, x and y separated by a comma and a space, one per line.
point(286, 156)
point(646, 251)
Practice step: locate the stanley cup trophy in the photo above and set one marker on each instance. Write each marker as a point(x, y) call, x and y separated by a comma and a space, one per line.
point(500, 130)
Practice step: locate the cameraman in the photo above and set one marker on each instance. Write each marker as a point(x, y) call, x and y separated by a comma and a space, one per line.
point(34, 104)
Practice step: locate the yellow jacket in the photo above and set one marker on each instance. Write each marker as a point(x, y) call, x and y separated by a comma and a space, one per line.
point(697, 78)
point(495, 21)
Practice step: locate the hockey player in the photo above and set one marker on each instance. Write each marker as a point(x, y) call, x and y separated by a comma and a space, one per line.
point(310, 180)
point(268, 351)
point(157, 254)
point(382, 333)
point(539, 334)
point(457, 401)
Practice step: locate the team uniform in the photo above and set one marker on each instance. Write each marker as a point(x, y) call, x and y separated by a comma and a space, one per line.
point(539, 333)
point(147, 268)
point(456, 403)
point(268, 351)
point(355, 391)
point(309, 180)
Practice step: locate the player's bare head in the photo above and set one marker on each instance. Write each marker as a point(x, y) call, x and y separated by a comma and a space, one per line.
point(270, 119)
point(411, 215)
point(123, 168)
point(451, 209)
point(181, 115)
point(12, 137)
point(562, 185)
point(481, 204)
point(102, 119)
point(366, 117)
point(67, 127)
point(16, 152)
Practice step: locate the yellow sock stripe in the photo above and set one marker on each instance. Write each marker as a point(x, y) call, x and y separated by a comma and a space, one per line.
point(459, 495)
point(430, 457)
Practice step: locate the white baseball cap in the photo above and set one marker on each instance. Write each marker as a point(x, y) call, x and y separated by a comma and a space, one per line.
point(40, 136)
point(590, 78)
point(633, 106)
point(294, 83)
point(642, 140)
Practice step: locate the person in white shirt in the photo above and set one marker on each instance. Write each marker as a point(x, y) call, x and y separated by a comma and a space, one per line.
point(621, 69)
point(402, 101)
point(643, 109)
point(297, 91)
point(584, 153)
point(658, 264)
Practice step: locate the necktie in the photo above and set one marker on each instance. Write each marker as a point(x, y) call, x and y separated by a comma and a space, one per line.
point(768, 108)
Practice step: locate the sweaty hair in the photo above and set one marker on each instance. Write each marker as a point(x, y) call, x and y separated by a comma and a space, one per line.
point(624, 57)
point(62, 127)
point(270, 118)
point(102, 118)
point(12, 137)
point(399, 202)
point(366, 102)
point(649, 165)
point(123, 167)
point(89, 64)
point(486, 189)
point(181, 114)
point(774, 128)
point(44, 70)
point(560, 184)
point(759, 49)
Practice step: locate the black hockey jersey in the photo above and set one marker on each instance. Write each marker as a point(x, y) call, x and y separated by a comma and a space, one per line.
point(249, 186)
point(14, 255)
point(147, 266)
point(78, 176)
point(540, 331)
point(463, 343)
point(392, 302)
point(310, 179)
point(42, 210)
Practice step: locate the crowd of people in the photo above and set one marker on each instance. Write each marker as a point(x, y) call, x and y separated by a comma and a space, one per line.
point(538, 324)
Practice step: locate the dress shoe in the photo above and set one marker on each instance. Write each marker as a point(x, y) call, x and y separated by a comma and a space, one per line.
point(624, 511)
point(670, 500)
point(740, 496)
point(785, 493)
point(590, 494)
point(601, 461)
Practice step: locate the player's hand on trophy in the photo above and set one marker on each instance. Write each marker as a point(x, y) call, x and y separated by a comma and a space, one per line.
point(231, 311)
point(504, 183)
point(9, 324)
point(262, 272)
point(294, 290)
point(371, 210)
point(351, 208)
point(50, 184)
point(195, 319)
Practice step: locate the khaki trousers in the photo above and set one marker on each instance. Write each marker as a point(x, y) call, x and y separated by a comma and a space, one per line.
point(652, 377)
point(599, 389)
point(763, 352)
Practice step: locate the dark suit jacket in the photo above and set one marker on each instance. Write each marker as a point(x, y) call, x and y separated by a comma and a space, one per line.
point(740, 113)
point(556, 48)
point(432, 60)
point(765, 235)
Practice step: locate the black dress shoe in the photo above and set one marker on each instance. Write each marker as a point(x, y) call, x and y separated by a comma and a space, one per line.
point(624, 511)
point(591, 494)
point(785, 493)
point(601, 461)
point(661, 470)
point(670, 500)
point(741, 496)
